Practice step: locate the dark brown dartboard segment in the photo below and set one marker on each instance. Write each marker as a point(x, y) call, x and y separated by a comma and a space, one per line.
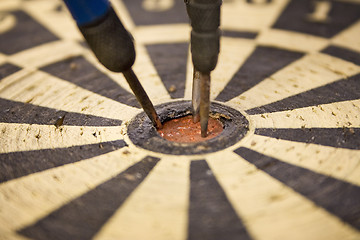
point(7, 69)
point(333, 137)
point(83, 217)
point(18, 112)
point(296, 14)
point(262, 63)
point(141, 16)
point(343, 53)
point(170, 61)
point(238, 34)
point(143, 133)
point(18, 164)
point(342, 90)
point(27, 33)
point(211, 215)
point(338, 197)
point(79, 71)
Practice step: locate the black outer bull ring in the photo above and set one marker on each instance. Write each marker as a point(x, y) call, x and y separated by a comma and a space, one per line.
point(143, 134)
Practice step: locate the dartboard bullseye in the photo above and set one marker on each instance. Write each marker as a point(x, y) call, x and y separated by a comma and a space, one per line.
point(79, 159)
point(142, 133)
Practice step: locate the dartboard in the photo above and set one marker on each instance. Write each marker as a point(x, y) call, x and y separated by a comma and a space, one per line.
point(79, 159)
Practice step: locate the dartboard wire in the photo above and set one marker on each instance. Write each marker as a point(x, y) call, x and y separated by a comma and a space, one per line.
point(321, 159)
point(259, 207)
point(27, 137)
point(73, 98)
point(309, 72)
point(158, 206)
point(343, 114)
point(58, 186)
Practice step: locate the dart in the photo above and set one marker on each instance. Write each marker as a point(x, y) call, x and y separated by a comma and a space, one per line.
point(112, 44)
point(205, 46)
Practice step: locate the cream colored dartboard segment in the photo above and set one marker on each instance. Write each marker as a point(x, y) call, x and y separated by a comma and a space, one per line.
point(349, 38)
point(309, 72)
point(3, 59)
point(329, 161)
point(26, 137)
point(335, 115)
point(234, 53)
point(291, 40)
point(240, 15)
point(42, 89)
point(45, 54)
point(159, 205)
point(148, 76)
point(189, 76)
point(8, 22)
point(165, 33)
point(55, 16)
point(9, 5)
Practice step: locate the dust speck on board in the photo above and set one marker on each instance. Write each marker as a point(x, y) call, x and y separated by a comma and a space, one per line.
point(130, 177)
point(275, 197)
point(126, 152)
point(38, 136)
point(73, 66)
point(56, 178)
point(172, 88)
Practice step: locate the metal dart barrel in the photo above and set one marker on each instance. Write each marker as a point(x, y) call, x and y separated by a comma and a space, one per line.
point(204, 102)
point(196, 96)
point(142, 97)
point(205, 46)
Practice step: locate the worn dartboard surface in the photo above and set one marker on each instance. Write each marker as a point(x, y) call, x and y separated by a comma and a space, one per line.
point(69, 169)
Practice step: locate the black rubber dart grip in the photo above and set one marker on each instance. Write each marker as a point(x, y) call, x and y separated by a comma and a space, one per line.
point(111, 43)
point(205, 35)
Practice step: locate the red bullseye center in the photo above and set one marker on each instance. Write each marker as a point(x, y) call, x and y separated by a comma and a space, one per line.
point(184, 130)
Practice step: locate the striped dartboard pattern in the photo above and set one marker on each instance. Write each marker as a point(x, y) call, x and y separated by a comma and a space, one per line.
point(68, 169)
